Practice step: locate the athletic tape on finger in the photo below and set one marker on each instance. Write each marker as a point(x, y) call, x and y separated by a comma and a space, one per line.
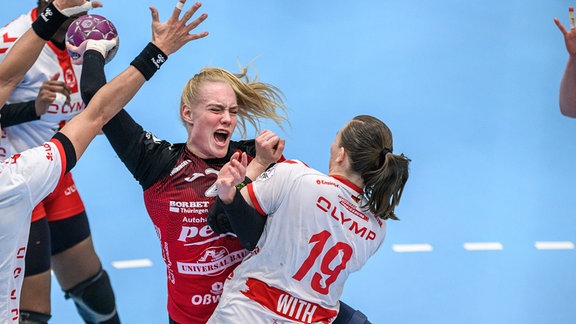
point(60, 99)
point(179, 5)
point(78, 9)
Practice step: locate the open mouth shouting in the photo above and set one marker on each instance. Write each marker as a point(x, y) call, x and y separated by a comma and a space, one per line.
point(221, 137)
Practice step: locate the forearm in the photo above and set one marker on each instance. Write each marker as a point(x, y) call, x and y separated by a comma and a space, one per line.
point(18, 113)
point(93, 77)
point(568, 89)
point(18, 61)
point(245, 221)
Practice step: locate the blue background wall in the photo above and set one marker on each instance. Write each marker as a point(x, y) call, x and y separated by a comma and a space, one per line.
point(470, 91)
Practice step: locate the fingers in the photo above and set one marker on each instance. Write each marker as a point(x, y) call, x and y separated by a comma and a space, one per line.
point(560, 26)
point(281, 145)
point(154, 13)
point(55, 76)
point(178, 9)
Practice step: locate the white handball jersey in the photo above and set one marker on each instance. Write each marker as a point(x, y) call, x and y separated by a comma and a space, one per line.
point(25, 179)
point(316, 234)
point(52, 60)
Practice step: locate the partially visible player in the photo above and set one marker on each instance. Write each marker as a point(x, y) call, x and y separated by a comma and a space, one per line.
point(568, 83)
point(319, 228)
point(60, 239)
point(27, 177)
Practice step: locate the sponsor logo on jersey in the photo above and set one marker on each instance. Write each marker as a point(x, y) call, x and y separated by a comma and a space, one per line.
point(180, 167)
point(189, 207)
point(65, 109)
point(212, 298)
point(70, 190)
point(287, 305)
point(351, 207)
point(212, 262)
point(267, 174)
point(352, 225)
point(327, 183)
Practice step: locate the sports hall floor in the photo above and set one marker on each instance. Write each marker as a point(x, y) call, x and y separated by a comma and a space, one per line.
point(470, 91)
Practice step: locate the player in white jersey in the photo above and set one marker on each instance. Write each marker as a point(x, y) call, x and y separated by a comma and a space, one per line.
point(27, 177)
point(319, 228)
point(60, 235)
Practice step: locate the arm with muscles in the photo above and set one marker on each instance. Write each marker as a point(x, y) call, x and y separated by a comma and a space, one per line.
point(568, 83)
point(168, 37)
point(22, 112)
point(26, 50)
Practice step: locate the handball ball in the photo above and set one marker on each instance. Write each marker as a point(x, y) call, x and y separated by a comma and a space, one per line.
point(90, 27)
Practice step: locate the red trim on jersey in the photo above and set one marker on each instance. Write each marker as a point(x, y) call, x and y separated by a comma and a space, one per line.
point(254, 199)
point(62, 153)
point(347, 182)
point(34, 14)
point(286, 305)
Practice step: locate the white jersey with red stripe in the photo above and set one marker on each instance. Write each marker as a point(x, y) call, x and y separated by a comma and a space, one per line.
point(52, 60)
point(316, 234)
point(25, 179)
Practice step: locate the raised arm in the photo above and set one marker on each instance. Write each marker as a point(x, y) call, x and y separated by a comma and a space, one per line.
point(26, 50)
point(168, 37)
point(568, 82)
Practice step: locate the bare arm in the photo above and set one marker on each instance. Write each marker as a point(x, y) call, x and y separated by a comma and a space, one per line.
point(169, 37)
point(568, 83)
point(25, 52)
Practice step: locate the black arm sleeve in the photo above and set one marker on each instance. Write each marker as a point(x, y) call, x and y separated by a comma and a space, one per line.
point(93, 77)
point(145, 156)
point(245, 221)
point(68, 149)
point(18, 113)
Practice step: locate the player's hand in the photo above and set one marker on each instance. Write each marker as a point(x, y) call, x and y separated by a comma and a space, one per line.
point(171, 35)
point(52, 91)
point(231, 174)
point(73, 7)
point(569, 37)
point(269, 148)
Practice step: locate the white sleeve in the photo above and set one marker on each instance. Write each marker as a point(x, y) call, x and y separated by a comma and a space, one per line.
point(270, 188)
point(34, 172)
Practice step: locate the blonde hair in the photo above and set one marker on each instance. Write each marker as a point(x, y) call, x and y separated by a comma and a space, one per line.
point(256, 100)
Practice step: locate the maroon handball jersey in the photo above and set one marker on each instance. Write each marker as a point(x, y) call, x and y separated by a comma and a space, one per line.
point(178, 192)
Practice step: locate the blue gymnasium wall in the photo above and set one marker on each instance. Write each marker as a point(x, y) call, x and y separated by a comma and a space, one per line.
point(470, 91)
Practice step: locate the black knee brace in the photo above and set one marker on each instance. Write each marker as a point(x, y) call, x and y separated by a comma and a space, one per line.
point(30, 317)
point(94, 299)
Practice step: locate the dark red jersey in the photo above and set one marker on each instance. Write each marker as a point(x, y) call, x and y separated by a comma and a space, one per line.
point(178, 192)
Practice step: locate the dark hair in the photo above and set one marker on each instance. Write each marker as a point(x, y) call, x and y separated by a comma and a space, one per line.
point(368, 142)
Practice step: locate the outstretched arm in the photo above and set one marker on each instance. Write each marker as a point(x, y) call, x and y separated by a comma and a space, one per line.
point(168, 37)
point(568, 83)
point(26, 50)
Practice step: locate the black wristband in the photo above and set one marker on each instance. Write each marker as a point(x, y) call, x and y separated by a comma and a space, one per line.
point(243, 183)
point(48, 22)
point(149, 60)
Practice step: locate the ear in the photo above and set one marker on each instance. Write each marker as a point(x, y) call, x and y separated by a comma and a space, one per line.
point(341, 155)
point(186, 114)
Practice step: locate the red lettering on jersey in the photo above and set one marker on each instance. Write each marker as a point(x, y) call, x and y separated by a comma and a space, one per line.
point(21, 253)
point(17, 272)
point(15, 312)
point(13, 294)
point(286, 305)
